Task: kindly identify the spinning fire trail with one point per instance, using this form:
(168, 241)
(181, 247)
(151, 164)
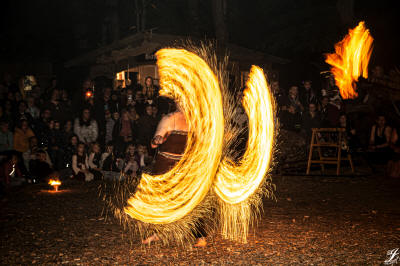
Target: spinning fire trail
(203, 170)
(350, 60)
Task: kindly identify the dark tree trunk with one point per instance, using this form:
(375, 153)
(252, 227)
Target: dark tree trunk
(219, 14)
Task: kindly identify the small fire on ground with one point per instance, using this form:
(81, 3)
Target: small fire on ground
(55, 183)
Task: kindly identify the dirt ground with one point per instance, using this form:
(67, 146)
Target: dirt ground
(315, 220)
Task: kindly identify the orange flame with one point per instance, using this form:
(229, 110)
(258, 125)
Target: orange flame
(54, 182)
(351, 59)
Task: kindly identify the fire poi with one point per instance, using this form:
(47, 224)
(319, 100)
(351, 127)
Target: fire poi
(350, 60)
(206, 183)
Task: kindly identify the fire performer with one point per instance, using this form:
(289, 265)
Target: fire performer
(170, 139)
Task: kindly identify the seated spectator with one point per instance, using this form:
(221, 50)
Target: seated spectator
(22, 113)
(39, 167)
(145, 159)
(6, 137)
(291, 119)
(94, 161)
(31, 153)
(311, 119)
(329, 113)
(7, 114)
(123, 132)
(393, 166)
(67, 133)
(110, 163)
(379, 150)
(86, 128)
(21, 136)
(10, 174)
(80, 164)
(352, 142)
(41, 127)
(131, 162)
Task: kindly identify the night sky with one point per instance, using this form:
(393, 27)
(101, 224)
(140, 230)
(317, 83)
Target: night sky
(302, 31)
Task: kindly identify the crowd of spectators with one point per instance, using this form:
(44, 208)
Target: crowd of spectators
(99, 131)
(93, 133)
(367, 131)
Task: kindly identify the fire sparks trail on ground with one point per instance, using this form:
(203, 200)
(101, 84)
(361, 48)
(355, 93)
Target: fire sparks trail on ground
(166, 198)
(350, 60)
(55, 183)
(235, 183)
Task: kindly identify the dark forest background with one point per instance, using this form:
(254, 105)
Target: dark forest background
(302, 31)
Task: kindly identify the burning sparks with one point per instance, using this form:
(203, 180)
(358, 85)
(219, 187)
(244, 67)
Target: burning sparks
(350, 60)
(235, 183)
(55, 183)
(166, 198)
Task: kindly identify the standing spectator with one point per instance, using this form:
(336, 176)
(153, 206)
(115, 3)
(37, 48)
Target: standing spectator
(133, 114)
(7, 114)
(293, 100)
(94, 161)
(393, 166)
(308, 94)
(109, 126)
(21, 136)
(140, 104)
(150, 91)
(329, 113)
(56, 144)
(123, 132)
(32, 109)
(146, 127)
(6, 137)
(85, 127)
(56, 107)
(311, 119)
(80, 164)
